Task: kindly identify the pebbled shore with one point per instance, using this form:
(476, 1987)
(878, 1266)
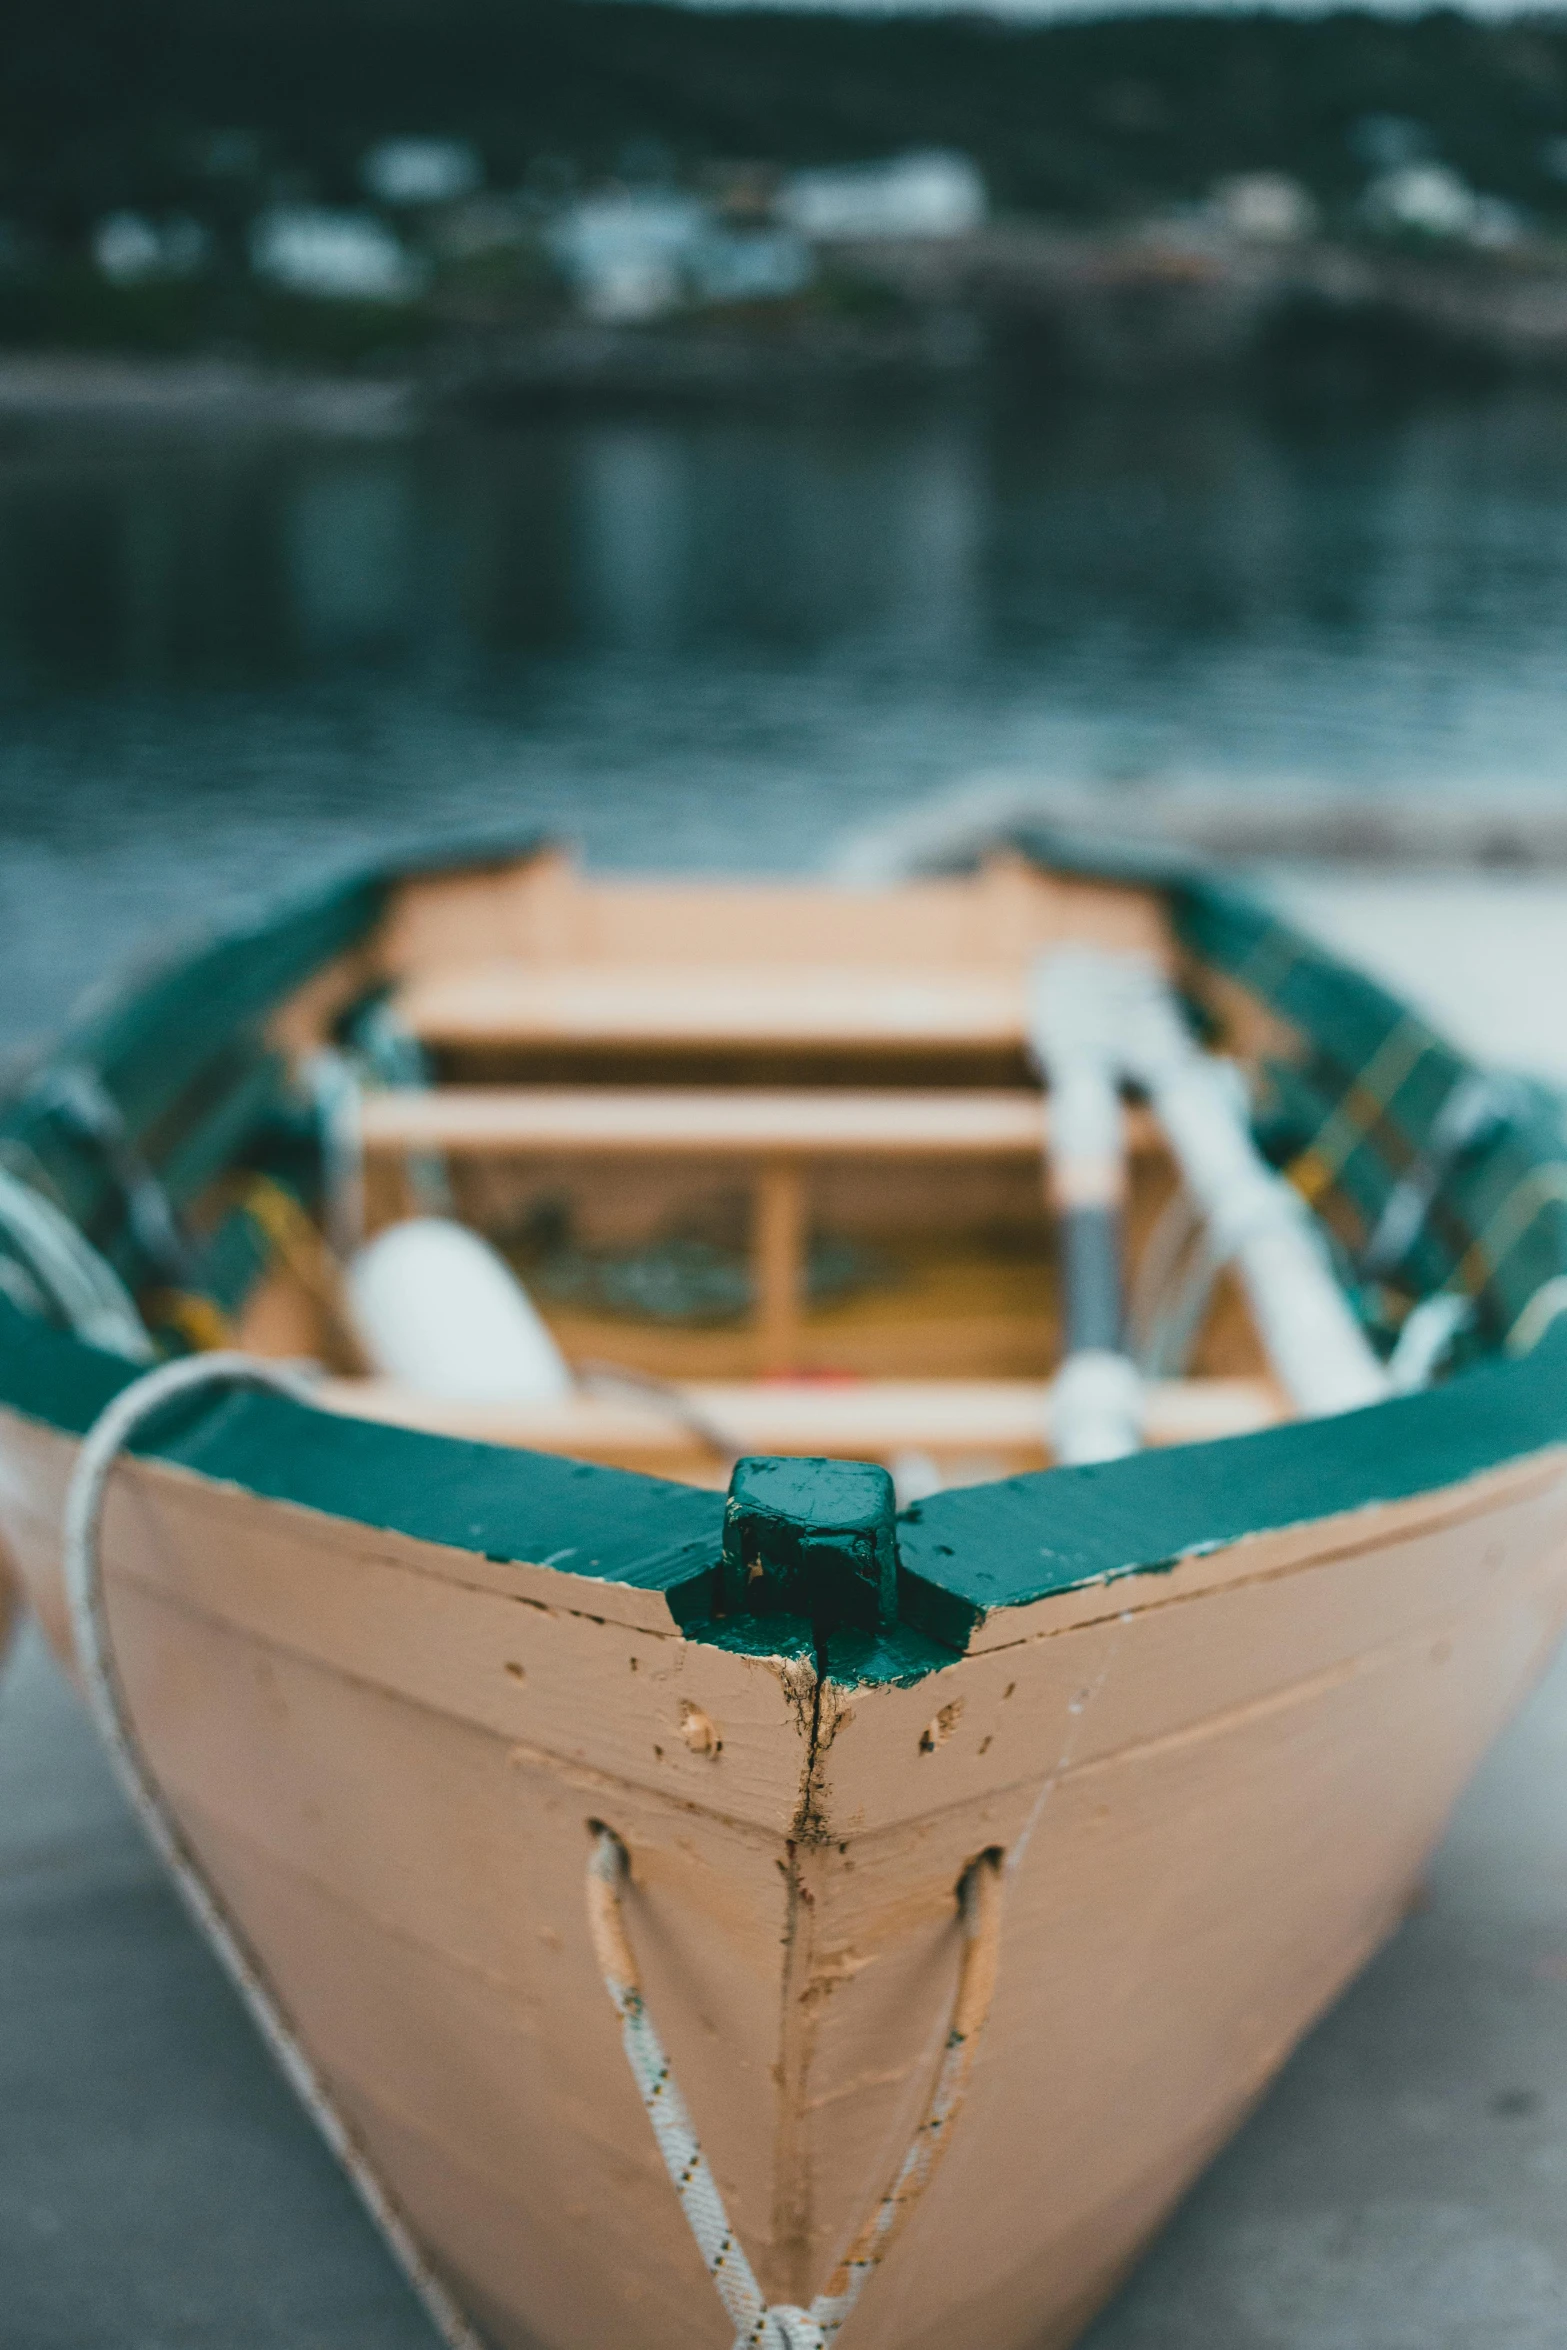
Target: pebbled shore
(112, 392)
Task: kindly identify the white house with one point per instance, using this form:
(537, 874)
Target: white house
(421, 171)
(633, 254)
(1264, 208)
(336, 256)
(751, 265)
(625, 252)
(932, 194)
(1430, 200)
(129, 249)
(1426, 197)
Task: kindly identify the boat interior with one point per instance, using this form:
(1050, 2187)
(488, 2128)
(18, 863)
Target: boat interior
(770, 1160)
(968, 1174)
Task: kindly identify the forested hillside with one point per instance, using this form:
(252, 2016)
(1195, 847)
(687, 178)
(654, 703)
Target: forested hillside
(206, 102)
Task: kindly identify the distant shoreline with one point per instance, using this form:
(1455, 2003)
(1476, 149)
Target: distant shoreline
(123, 391)
(1510, 835)
(569, 368)
(1017, 304)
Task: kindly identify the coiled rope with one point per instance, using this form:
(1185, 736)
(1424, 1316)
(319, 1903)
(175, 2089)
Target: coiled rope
(760, 2325)
(105, 1440)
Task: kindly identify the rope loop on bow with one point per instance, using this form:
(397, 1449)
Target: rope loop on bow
(759, 2324)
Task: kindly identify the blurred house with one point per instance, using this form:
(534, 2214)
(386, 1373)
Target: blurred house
(1430, 200)
(624, 253)
(1264, 208)
(760, 264)
(422, 171)
(131, 250)
(332, 255)
(639, 253)
(480, 226)
(919, 195)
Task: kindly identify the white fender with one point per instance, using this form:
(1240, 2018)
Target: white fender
(435, 1308)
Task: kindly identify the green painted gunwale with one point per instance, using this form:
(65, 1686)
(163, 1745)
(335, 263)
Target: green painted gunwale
(194, 1022)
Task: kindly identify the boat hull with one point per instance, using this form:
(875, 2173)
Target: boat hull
(1216, 1787)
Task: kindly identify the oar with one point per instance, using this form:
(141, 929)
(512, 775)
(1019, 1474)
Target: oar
(1256, 1221)
(1096, 1409)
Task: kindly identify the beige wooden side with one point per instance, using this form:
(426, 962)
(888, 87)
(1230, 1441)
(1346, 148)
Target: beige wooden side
(1216, 1785)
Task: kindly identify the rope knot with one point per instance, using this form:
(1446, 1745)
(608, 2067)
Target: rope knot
(792, 2328)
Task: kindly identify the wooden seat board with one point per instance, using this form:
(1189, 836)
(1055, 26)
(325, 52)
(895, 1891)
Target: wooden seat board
(854, 1418)
(718, 1122)
(519, 1004)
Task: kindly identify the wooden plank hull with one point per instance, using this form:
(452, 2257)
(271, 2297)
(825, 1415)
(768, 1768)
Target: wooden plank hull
(1215, 1785)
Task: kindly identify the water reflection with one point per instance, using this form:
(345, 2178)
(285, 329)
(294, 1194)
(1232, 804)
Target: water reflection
(1087, 542)
(350, 557)
(729, 641)
(634, 497)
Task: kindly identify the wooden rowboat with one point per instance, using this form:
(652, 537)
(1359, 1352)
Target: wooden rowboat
(1069, 1794)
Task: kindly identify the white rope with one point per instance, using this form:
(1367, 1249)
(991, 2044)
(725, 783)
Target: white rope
(760, 2324)
(69, 1273)
(79, 1095)
(1162, 1284)
(105, 1440)
(615, 1378)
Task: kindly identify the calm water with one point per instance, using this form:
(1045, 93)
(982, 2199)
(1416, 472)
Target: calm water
(224, 666)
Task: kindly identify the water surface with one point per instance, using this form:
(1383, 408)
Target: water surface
(229, 665)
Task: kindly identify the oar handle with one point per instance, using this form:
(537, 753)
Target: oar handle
(1096, 1409)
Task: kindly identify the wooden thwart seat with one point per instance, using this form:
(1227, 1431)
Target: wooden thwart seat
(860, 1419)
(789, 1006)
(714, 1122)
(775, 1132)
